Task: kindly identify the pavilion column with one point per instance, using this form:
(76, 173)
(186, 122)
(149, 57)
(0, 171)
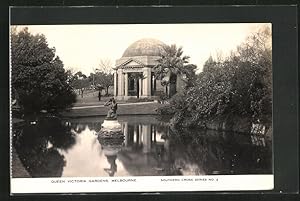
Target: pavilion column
(126, 133)
(115, 83)
(146, 138)
(126, 84)
(120, 83)
(140, 134)
(140, 88)
(147, 82)
(135, 137)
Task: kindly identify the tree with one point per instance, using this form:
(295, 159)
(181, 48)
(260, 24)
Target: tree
(38, 75)
(209, 64)
(170, 64)
(102, 80)
(105, 66)
(80, 75)
(239, 85)
(189, 74)
(212, 90)
(102, 76)
(253, 78)
(81, 82)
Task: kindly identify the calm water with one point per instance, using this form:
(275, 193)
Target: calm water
(71, 148)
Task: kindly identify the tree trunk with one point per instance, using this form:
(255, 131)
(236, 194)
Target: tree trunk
(106, 92)
(82, 93)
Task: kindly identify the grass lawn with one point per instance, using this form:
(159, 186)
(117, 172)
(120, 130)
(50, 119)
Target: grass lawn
(91, 98)
(131, 109)
(89, 105)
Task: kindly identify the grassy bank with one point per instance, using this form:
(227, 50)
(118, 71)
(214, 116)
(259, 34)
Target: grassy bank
(123, 109)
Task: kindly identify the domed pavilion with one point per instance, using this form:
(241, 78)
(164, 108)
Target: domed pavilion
(134, 76)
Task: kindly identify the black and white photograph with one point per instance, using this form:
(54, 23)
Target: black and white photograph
(185, 105)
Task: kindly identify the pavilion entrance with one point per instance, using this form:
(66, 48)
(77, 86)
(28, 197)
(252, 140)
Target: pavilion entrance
(134, 88)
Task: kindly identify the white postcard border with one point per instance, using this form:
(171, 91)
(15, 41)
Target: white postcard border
(142, 184)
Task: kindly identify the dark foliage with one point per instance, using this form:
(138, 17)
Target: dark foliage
(240, 85)
(38, 75)
(38, 146)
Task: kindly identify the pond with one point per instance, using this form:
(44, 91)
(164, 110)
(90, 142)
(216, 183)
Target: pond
(71, 148)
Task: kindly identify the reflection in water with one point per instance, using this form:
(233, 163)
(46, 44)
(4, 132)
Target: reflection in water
(147, 150)
(37, 147)
(150, 147)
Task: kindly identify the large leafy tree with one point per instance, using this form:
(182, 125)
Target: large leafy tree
(38, 75)
(252, 83)
(171, 63)
(240, 85)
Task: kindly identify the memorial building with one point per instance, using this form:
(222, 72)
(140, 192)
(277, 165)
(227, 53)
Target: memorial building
(133, 73)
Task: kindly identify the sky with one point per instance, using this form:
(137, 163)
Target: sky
(82, 47)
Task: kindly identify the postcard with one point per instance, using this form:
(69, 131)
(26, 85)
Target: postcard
(141, 107)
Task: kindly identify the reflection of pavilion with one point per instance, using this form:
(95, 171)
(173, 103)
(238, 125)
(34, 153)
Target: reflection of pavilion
(146, 150)
(146, 138)
(152, 148)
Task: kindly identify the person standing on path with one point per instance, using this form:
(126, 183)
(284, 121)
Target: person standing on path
(99, 95)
